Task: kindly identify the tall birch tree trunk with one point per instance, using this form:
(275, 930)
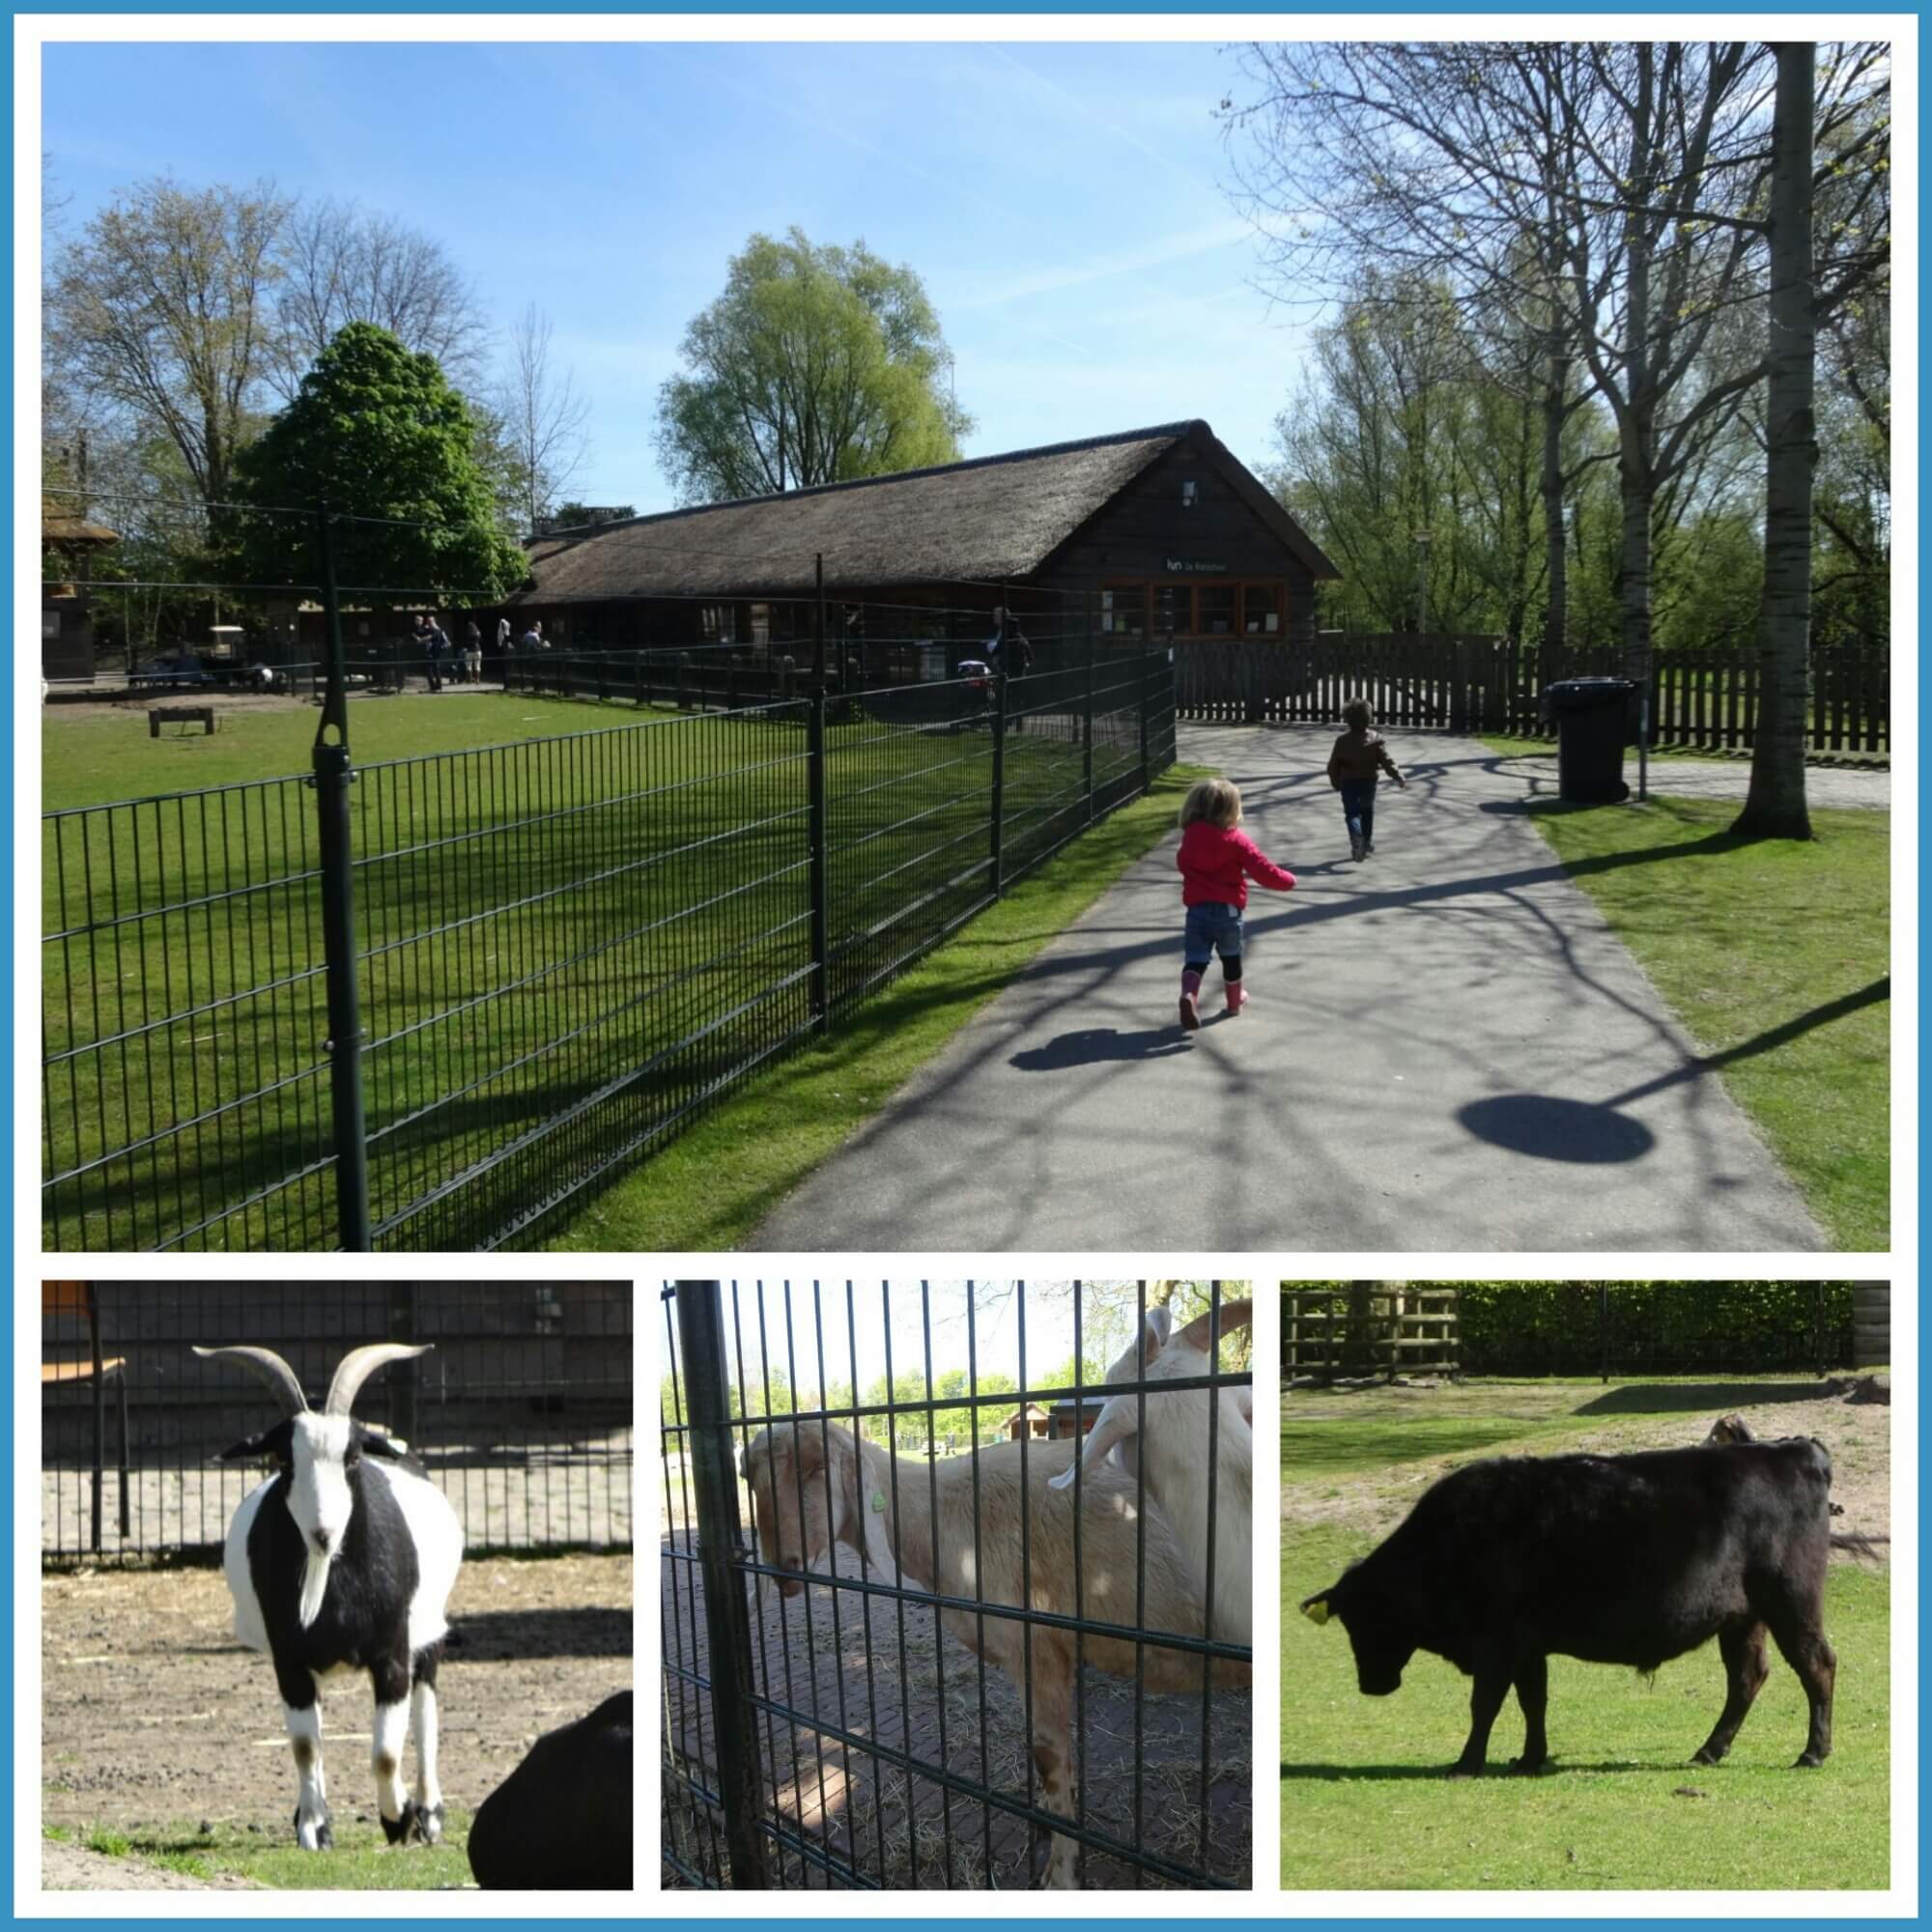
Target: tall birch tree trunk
(1775, 807)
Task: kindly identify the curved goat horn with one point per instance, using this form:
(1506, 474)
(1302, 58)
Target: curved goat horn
(271, 1369)
(360, 1364)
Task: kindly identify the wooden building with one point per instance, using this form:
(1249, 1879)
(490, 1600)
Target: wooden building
(67, 609)
(1145, 535)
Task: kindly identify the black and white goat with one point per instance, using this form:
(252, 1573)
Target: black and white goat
(344, 1560)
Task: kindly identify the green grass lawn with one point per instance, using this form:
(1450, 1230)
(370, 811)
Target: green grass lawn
(1364, 1804)
(1776, 957)
(606, 929)
(98, 754)
(1508, 747)
(361, 1860)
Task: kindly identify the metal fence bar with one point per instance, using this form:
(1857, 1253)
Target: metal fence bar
(702, 1326)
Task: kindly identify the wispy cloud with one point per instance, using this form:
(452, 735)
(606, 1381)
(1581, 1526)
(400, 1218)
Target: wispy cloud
(1226, 233)
(1088, 111)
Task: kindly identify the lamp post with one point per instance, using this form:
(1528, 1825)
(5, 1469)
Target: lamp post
(1421, 539)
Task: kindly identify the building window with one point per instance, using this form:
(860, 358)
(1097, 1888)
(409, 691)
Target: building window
(1217, 610)
(1124, 610)
(1261, 610)
(1173, 609)
(719, 623)
(1188, 491)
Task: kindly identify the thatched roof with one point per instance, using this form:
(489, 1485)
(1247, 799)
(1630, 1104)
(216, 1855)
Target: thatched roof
(60, 532)
(990, 520)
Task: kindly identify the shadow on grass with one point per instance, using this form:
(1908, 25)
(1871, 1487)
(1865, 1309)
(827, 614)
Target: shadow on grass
(1314, 1449)
(1679, 1398)
(1338, 1774)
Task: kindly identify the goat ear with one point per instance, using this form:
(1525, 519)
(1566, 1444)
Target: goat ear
(373, 1443)
(271, 1442)
(841, 1457)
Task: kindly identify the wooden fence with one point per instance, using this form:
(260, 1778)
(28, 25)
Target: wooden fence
(1705, 701)
(1384, 1328)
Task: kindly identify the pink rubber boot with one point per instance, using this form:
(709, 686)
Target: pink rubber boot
(1190, 993)
(1237, 997)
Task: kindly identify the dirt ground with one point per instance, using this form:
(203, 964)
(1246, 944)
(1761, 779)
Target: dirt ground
(1858, 1435)
(895, 1827)
(68, 1868)
(152, 1713)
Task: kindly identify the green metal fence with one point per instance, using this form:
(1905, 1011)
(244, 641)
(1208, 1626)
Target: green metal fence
(429, 1004)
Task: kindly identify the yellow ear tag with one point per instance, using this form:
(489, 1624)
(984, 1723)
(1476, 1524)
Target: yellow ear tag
(1316, 1612)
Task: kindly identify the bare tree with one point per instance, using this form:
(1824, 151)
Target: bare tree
(341, 265)
(159, 315)
(543, 418)
(1586, 193)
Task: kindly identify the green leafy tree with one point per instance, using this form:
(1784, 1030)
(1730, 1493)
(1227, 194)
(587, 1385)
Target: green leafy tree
(374, 432)
(815, 365)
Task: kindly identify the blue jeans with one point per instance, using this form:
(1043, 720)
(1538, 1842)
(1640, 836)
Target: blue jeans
(1213, 929)
(1358, 807)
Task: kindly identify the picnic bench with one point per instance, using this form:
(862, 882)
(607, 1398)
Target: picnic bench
(186, 713)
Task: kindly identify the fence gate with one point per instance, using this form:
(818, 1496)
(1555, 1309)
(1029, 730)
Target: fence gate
(896, 1681)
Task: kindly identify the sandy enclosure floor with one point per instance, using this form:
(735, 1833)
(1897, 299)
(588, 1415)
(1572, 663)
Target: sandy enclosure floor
(1858, 1435)
(68, 1868)
(534, 1644)
(922, 1694)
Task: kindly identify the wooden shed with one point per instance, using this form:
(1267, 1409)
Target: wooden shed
(1139, 536)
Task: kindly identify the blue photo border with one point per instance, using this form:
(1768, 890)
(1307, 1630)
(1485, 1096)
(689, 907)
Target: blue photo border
(1254, 1910)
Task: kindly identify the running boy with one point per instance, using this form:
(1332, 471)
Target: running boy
(1359, 754)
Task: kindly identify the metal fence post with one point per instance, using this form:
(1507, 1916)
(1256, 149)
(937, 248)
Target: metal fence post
(1087, 718)
(1146, 660)
(821, 910)
(401, 1381)
(998, 850)
(344, 1045)
(700, 1320)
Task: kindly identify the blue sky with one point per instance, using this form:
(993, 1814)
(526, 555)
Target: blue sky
(1065, 205)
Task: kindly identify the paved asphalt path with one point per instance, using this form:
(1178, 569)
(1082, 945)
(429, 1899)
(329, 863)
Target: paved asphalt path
(1446, 1049)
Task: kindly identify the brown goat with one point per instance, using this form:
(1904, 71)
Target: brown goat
(814, 1485)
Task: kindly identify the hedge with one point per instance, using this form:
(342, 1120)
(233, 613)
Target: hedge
(1654, 1327)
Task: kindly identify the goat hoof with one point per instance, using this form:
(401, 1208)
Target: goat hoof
(324, 1838)
(419, 1824)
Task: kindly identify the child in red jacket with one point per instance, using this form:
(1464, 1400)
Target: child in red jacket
(1216, 861)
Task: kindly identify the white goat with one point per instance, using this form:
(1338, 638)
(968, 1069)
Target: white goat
(814, 1485)
(344, 1560)
(1185, 1441)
